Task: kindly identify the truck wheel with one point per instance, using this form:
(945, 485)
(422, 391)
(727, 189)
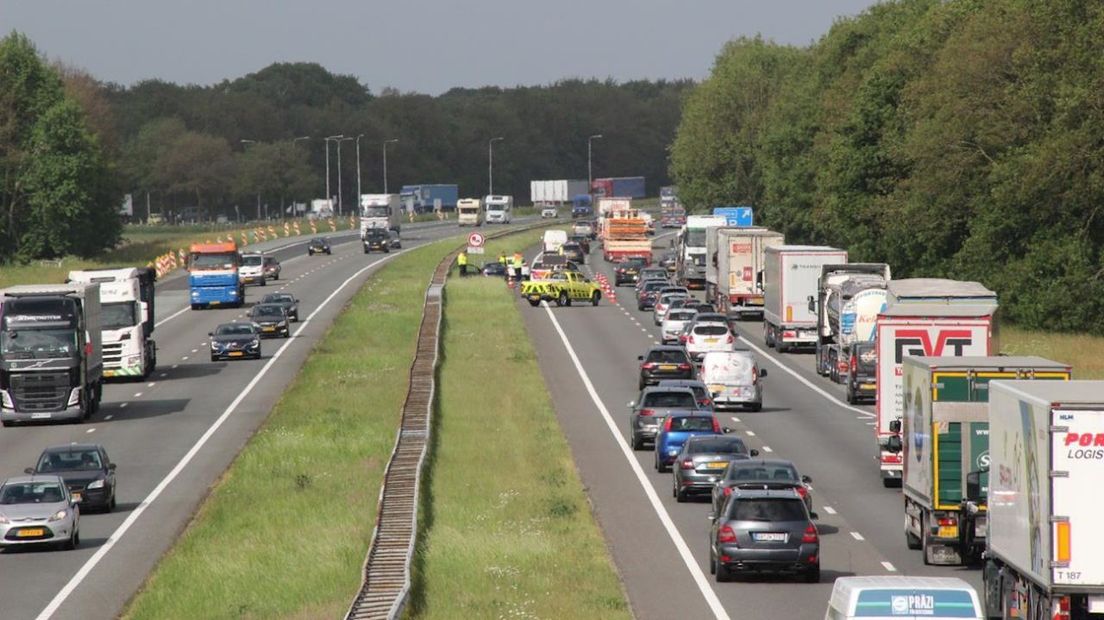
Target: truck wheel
(911, 540)
(768, 337)
(925, 548)
(595, 298)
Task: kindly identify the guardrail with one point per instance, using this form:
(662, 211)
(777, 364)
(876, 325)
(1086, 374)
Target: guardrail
(386, 584)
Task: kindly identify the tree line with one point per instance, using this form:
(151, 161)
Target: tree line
(960, 138)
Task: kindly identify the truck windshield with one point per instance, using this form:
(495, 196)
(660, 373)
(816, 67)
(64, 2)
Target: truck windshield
(215, 261)
(695, 238)
(469, 210)
(375, 211)
(38, 343)
(118, 315)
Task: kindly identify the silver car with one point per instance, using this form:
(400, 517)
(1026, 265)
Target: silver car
(656, 403)
(734, 378)
(674, 323)
(663, 304)
(38, 510)
(703, 461)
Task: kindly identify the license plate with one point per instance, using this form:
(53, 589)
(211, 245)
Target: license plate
(769, 536)
(268, 329)
(667, 367)
(32, 533)
(534, 298)
(719, 465)
(40, 416)
(235, 354)
(868, 387)
(948, 531)
(215, 303)
(716, 389)
(710, 340)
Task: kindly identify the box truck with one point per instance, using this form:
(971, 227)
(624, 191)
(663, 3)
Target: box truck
(944, 437)
(691, 244)
(1045, 557)
(734, 269)
(380, 211)
(789, 280)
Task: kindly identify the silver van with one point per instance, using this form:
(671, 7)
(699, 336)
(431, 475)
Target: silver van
(901, 597)
(733, 378)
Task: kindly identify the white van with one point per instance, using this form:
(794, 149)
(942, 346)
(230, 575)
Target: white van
(554, 240)
(499, 209)
(733, 379)
(903, 598)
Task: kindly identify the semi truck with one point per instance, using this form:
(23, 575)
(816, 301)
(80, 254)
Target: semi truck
(790, 278)
(425, 198)
(1046, 456)
(944, 437)
(581, 206)
(500, 209)
(624, 235)
(213, 277)
(949, 329)
(848, 300)
(51, 352)
(469, 212)
(556, 192)
(734, 269)
(380, 211)
(618, 187)
(690, 260)
(126, 311)
(671, 213)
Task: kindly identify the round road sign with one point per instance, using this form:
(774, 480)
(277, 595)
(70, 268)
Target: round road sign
(475, 240)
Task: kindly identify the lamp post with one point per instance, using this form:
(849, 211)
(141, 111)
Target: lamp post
(359, 136)
(244, 141)
(327, 140)
(340, 199)
(490, 164)
(385, 143)
(590, 174)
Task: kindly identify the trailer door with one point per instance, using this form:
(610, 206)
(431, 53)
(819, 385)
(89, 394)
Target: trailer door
(1077, 453)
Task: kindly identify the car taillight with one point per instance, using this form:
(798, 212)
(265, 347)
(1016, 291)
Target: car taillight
(716, 426)
(810, 534)
(682, 339)
(789, 334)
(687, 464)
(891, 458)
(648, 365)
(684, 366)
(754, 375)
(647, 412)
(691, 339)
(947, 522)
(727, 491)
(730, 339)
(726, 535)
(855, 364)
(706, 402)
(667, 423)
(802, 491)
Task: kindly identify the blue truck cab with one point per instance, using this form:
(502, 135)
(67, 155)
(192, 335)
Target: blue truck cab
(581, 206)
(213, 278)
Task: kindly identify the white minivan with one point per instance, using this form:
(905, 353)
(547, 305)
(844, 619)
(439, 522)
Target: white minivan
(901, 597)
(733, 379)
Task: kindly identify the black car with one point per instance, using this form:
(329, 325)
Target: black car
(318, 245)
(495, 270)
(582, 240)
(861, 376)
(665, 362)
(86, 470)
(762, 474)
(573, 252)
(288, 301)
(627, 271)
(648, 293)
(377, 240)
(235, 340)
(272, 319)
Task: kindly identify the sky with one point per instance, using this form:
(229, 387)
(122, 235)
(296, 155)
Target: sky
(427, 46)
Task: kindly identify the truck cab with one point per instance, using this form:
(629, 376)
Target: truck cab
(126, 305)
(213, 275)
(380, 211)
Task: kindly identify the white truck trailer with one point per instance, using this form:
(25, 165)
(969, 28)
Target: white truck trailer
(789, 281)
(380, 211)
(735, 260)
(1045, 559)
(126, 310)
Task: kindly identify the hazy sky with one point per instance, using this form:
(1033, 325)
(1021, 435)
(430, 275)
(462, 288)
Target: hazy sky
(414, 45)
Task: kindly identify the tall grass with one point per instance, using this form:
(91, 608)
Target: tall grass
(1081, 351)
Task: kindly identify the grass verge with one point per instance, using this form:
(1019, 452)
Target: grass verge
(506, 528)
(1078, 350)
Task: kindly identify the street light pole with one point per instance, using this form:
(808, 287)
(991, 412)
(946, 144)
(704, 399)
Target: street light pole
(340, 199)
(590, 174)
(490, 164)
(385, 143)
(358, 167)
(327, 141)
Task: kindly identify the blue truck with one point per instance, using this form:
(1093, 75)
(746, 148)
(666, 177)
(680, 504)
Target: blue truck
(618, 187)
(422, 197)
(213, 277)
(581, 206)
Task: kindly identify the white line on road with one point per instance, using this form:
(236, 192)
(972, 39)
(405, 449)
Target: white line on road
(767, 449)
(751, 433)
(90, 564)
(175, 366)
(91, 430)
(163, 375)
(735, 419)
(184, 358)
(680, 544)
(108, 416)
(123, 405)
(151, 384)
(137, 395)
(830, 510)
(172, 316)
(195, 350)
(889, 567)
(857, 536)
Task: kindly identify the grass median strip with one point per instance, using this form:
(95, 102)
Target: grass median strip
(506, 531)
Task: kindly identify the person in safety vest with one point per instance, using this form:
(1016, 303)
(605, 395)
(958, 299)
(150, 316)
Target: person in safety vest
(516, 264)
(502, 258)
(462, 261)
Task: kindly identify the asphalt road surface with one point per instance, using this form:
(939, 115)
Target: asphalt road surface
(588, 357)
(175, 433)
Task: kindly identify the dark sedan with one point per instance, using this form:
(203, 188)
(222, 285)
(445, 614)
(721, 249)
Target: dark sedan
(318, 245)
(648, 292)
(665, 362)
(235, 340)
(272, 319)
(703, 461)
(86, 470)
(287, 301)
(627, 271)
(494, 270)
(377, 240)
(574, 252)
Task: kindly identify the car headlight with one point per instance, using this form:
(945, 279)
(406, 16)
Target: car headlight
(4, 520)
(215, 346)
(59, 515)
(673, 451)
(74, 397)
(256, 342)
(195, 293)
(283, 323)
(233, 293)
(96, 484)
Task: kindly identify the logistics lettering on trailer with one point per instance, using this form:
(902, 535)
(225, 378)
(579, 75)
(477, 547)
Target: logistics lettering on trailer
(917, 342)
(1085, 440)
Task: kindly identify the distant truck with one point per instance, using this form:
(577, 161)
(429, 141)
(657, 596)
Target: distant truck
(789, 280)
(424, 198)
(944, 437)
(581, 206)
(213, 275)
(380, 211)
(322, 208)
(469, 212)
(624, 235)
(51, 352)
(556, 192)
(931, 318)
(734, 269)
(499, 209)
(127, 323)
(848, 300)
(690, 261)
(1045, 558)
(671, 213)
(618, 187)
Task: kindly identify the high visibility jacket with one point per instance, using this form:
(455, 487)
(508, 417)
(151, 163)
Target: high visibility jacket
(462, 259)
(502, 258)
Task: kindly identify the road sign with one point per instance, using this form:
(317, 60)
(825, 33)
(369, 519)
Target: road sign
(735, 216)
(475, 240)
(475, 249)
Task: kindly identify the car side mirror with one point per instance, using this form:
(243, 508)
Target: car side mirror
(111, 466)
(640, 357)
(754, 452)
(763, 373)
(895, 426)
(28, 470)
(814, 516)
(806, 480)
(893, 444)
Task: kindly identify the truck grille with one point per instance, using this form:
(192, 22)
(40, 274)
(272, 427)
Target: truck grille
(40, 391)
(113, 354)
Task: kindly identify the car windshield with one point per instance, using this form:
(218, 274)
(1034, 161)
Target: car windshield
(680, 315)
(31, 493)
(654, 285)
(318, 242)
(726, 445)
(767, 509)
(671, 356)
(278, 298)
(252, 261)
(38, 343)
(234, 330)
(710, 329)
(117, 315)
(759, 472)
(680, 400)
(69, 461)
(669, 297)
(268, 311)
(376, 234)
(691, 423)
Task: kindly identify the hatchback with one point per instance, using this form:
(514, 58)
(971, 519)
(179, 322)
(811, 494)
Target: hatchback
(272, 319)
(764, 531)
(376, 240)
(663, 304)
(673, 323)
(654, 404)
(678, 427)
(38, 509)
(318, 245)
(664, 362)
(703, 461)
(707, 338)
(770, 474)
(705, 401)
(647, 292)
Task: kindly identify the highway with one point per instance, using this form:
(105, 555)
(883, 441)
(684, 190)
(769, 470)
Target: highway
(589, 360)
(173, 435)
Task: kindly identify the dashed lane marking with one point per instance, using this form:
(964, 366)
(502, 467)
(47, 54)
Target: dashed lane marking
(108, 417)
(889, 567)
(751, 433)
(123, 405)
(137, 395)
(184, 358)
(735, 419)
(767, 449)
(857, 536)
(151, 384)
(91, 430)
(830, 510)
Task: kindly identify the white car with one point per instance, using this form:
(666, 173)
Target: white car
(549, 213)
(252, 270)
(38, 510)
(674, 323)
(707, 337)
(733, 379)
(663, 304)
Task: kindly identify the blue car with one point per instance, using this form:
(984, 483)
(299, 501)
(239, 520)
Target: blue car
(677, 427)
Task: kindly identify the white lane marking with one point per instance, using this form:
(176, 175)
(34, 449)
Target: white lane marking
(735, 419)
(808, 384)
(751, 433)
(195, 350)
(172, 316)
(857, 536)
(889, 567)
(163, 375)
(664, 518)
(830, 510)
(184, 358)
(108, 416)
(151, 384)
(767, 449)
(137, 395)
(175, 366)
(86, 568)
(123, 405)
(91, 430)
